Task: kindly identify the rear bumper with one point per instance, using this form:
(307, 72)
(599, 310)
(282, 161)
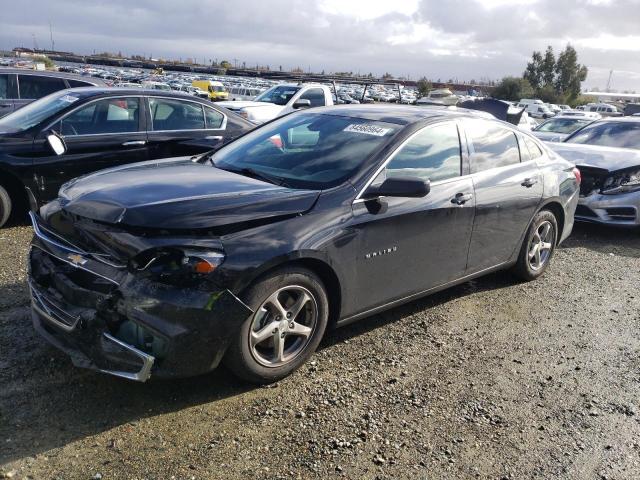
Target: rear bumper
(621, 209)
(111, 321)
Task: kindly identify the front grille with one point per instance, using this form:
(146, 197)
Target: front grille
(52, 308)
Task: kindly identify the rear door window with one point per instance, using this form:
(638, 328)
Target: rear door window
(111, 115)
(176, 115)
(34, 86)
(491, 144)
(78, 83)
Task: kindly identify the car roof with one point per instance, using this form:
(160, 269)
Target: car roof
(86, 92)
(629, 119)
(398, 114)
(49, 73)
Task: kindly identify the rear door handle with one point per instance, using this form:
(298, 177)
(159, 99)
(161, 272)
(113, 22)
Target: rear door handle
(134, 142)
(3, 105)
(461, 198)
(529, 182)
(214, 137)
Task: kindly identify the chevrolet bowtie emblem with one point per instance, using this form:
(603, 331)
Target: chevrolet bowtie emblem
(76, 259)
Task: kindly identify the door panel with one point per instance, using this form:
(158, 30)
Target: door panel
(100, 134)
(411, 245)
(504, 207)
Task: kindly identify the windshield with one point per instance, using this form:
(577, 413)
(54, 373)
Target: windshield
(36, 112)
(279, 95)
(609, 134)
(306, 150)
(563, 125)
(217, 89)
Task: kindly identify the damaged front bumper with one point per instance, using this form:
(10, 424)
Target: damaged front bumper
(620, 209)
(111, 320)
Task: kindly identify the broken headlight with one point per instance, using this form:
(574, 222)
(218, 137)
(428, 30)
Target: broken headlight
(176, 266)
(623, 182)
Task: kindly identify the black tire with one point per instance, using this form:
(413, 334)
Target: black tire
(243, 359)
(527, 268)
(5, 206)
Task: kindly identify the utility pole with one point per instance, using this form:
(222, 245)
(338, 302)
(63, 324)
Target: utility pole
(35, 43)
(609, 81)
(53, 44)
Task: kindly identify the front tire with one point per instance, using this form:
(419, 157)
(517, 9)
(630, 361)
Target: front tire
(5, 206)
(291, 311)
(538, 247)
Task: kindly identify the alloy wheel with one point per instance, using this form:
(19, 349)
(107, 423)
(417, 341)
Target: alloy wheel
(283, 325)
(541, 245)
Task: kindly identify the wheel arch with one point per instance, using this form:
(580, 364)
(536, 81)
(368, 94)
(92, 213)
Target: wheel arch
(555, 207)
(315, 264)
(16, 189)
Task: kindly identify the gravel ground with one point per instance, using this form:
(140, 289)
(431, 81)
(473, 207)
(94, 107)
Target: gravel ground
(491, 379)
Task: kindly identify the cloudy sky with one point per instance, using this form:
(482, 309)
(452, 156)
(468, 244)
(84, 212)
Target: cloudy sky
(464, 39)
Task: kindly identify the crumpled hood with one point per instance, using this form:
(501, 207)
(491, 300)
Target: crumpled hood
(608, 158)
(237, 105)
(183, 195)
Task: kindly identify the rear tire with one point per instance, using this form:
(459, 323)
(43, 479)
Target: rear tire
(538, 246)
(5, 206)
(291, 311)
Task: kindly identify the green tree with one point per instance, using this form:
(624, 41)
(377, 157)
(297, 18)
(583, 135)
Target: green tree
(48, 63)
(569, 73)
(548, 67)
(513, 89)
(533, 73)
(225, 64)
(424, 86)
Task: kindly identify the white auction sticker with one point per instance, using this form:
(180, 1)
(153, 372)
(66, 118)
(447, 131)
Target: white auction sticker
(68, 99)
(367, 129)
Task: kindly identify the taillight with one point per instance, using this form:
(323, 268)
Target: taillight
(578, 175)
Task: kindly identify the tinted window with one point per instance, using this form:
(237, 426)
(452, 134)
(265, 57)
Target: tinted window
(111, 115)
(4, 86)
(433, 154)
(176, 115)
(534, 149)
(279, 95)
(34, 86)
(609, 134)
(307, 150)
(492, 145)
(315, 96)
(78, 83)
(213, 117)
(563, 125)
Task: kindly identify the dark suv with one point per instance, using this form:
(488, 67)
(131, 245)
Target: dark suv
(19, 87)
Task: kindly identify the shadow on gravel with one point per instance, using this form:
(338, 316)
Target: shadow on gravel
(603, 239)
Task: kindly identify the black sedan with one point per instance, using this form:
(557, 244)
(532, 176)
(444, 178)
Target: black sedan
(78, 131)
(319, 218)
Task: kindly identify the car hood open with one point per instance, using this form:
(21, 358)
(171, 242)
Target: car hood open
(607, 158)
(183, 195)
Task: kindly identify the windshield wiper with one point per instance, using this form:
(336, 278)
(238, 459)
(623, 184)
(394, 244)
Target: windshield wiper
(204, 157)
(250, 172)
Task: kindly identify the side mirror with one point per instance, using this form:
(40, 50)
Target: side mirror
(407, 187)
(300, 103)
(56, 143)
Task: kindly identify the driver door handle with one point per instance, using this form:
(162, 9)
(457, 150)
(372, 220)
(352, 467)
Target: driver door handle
(529, 182)
(214, 137)
(461, 198)
(134, 142)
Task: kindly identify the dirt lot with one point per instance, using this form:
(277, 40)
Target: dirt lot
(492, 379)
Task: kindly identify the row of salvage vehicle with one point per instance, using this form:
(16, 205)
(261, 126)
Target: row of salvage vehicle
(203, 239)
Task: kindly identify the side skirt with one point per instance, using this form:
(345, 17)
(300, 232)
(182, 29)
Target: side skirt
(401, 301)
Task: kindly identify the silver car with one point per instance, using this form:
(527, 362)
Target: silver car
(607, 153)
(558, 128)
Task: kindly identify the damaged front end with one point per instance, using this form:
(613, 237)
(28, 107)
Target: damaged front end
(130, 305)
